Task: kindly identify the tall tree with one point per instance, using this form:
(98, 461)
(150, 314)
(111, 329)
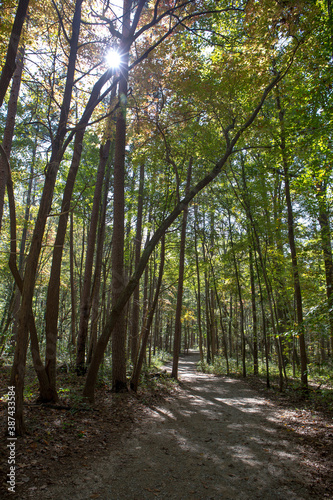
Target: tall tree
(178, 323)
(18, 369)
(137, 250)
(291, 237)
(119, 383)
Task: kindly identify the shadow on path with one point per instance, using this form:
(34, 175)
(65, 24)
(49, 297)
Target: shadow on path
(216, 439)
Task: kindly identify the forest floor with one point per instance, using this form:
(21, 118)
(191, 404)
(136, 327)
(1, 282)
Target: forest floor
(207, 438)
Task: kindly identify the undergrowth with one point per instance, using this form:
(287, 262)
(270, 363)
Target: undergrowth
(320, 378)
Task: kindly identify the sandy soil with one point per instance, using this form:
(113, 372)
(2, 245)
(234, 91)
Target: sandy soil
(216, 438)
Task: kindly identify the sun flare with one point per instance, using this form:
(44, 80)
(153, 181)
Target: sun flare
(113, 58)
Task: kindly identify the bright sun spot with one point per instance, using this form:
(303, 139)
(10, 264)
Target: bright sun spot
(113, 58)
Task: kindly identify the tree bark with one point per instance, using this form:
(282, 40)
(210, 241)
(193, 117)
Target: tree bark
(90, 249)
(198, 281)
(10, 65)
(98, 265)
(137, 246)
(118, 276)
(292, 245)
(254, 315)
(177, 336)
(147, 325)
(325, 231)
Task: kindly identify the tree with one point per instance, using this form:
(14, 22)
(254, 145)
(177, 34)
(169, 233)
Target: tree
(177, 336)
(18, 369)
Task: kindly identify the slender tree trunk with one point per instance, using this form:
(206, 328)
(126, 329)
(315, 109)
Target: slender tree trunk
(224, 339)
(98, 267)
(254, 315)
(137, 250)
(90, 250)
(7, 146)
(325, 230)
(177, 337)
(241, 306)
(209, 356)
(212, 322)
(198, 281)
(72, 280)
(147, 325)
(230, 327)
(292, 245)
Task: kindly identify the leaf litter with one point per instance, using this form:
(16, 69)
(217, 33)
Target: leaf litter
(208, 437)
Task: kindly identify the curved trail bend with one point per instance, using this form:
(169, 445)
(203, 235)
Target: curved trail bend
(215, 439)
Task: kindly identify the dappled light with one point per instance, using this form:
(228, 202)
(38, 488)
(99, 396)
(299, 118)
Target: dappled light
(216, 438)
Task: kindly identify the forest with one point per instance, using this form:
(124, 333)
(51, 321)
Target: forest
(165, 186)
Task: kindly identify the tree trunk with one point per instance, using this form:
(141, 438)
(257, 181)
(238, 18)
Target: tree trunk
(72, 280)
(137, 250)
(325, 231)
(177, 337)
(292, 245)
(147, 325)
(198, 281)
(118, 278)
(9, 66)
(241, 306)
(208, 321)
(90, 250)
(4, 158)
(52, 303)
(98, 266)
(254, 315)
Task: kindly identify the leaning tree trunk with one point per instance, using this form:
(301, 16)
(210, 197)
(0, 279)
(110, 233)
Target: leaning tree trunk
(9, 66)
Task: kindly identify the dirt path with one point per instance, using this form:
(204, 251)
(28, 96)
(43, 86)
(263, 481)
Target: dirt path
(215, 439)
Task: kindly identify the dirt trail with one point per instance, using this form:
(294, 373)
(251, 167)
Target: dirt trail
(215, 439)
